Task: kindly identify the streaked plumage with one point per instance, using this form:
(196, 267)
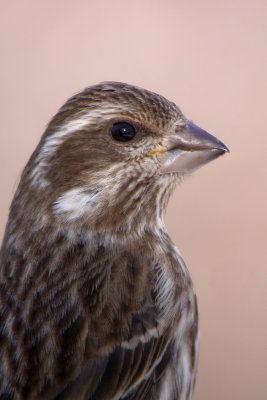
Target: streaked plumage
(95, 300)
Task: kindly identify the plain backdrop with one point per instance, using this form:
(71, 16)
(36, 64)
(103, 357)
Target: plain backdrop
(210, 58)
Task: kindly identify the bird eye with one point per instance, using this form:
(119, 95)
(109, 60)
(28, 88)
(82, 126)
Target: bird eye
(122, 131)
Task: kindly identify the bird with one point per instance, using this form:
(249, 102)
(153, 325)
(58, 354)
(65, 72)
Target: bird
(96, 301)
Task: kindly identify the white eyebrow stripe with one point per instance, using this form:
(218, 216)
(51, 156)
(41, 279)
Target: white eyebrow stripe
(51, 144)
(57, 138)
(53, 141)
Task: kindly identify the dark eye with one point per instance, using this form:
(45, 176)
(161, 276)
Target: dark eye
(122, 131)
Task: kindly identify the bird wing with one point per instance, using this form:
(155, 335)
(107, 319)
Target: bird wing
(82, 331)
(131, 370)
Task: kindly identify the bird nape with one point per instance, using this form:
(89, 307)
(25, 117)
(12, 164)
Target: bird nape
(96, 302)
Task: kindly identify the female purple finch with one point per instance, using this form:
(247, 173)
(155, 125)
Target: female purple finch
(96, 302)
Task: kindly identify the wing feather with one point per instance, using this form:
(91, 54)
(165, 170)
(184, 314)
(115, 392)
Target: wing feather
(121, 375)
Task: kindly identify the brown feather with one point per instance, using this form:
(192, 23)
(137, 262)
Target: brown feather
(95, 301)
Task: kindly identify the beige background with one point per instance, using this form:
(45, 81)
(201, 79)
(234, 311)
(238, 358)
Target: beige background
(210, 58)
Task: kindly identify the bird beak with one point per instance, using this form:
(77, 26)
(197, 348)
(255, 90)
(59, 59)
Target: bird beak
(189, 149)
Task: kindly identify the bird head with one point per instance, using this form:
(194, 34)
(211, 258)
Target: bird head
(111, 157)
